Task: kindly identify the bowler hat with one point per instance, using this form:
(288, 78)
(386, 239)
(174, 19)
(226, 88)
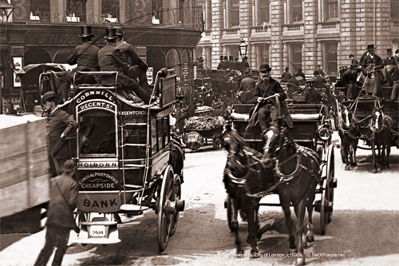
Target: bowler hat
(225, 57)
(351, 55)
(221, 57)
(264, 68)
(86, 31)
(69, 166)
(389, 50)
(119, 31)
(315, 72)
(110, 34)
(370, 47)
(49, 95)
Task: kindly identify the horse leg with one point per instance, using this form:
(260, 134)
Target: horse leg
(300, 214)
(388, 153)
(253, 228)
(354, 144)
(285, 205)
(234, 225)
(309, 226)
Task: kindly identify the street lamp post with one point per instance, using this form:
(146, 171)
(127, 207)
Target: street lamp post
(6, 10)
(243, 47)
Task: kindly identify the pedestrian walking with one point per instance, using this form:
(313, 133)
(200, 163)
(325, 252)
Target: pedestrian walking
(60, 220)
(59, 126)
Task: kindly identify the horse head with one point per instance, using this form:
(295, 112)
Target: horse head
(273, 139)
(236, 159)
(377, 119)
(346, 117)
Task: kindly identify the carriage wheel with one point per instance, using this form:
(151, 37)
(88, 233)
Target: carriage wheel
(164, 218)
(177, 195)
(327, 195)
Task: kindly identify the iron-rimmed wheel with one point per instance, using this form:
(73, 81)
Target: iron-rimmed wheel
(164, 217)
(177, 196)
(327, 195)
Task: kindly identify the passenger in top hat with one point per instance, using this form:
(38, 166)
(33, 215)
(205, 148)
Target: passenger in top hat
(371, 64)
(85, 55)
(59, 125)
(267, 112)
(390, 65)
(111, 59)
(137, 67)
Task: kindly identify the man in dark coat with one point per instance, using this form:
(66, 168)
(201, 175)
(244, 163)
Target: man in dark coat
(390, 65)
(111, 59)
(60, 220)
(247, 88)
(348, 80)
(286, 76)
(85, 55)
(371, 64)
(354, 62)
(137, 67)
(59, 126)
(267, 110)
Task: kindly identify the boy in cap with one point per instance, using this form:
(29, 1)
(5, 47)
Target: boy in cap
(137, 67)
(85, 55)
(267, 111)
(111, 59)
(354, 62)
(59, 125)
(371, 64)
(60, 220)
(286, 76)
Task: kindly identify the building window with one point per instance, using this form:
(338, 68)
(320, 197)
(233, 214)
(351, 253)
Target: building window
(262, 55)
(76, 11)
(331, 9)
(395, 9)
(296, 57)
(331, 55)
(263, 11)
(156, 11)
(295, 11)
(110, 10)
(40, 10)
(234, 12)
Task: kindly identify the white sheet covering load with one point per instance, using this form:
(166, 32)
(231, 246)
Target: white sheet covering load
(13, 120)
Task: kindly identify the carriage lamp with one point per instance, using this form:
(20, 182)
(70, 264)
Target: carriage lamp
(6, 10)
(243, 48)
(324, 132)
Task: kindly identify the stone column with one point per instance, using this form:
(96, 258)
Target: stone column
(310, 46)
(217, 30)
(276, 20)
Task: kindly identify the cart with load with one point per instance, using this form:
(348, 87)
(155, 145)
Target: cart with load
(312, 129)
(203, 130)
(127, 160)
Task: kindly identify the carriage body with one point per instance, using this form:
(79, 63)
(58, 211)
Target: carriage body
(123, 153)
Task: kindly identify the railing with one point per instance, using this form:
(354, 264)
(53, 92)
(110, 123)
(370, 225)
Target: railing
(231, 31)
(329, 26)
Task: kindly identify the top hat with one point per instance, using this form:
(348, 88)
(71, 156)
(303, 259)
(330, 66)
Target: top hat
(110, 34)
(370, 47)
(225, 57)
(389, 50)
(69, 166)
(231, 57)
(221, 57)
(86, 31)
(119, 31)
(264, 68)
(351, 55)
(315, 72)
(49, 95)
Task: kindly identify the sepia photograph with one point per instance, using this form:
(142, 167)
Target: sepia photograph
(199, 132)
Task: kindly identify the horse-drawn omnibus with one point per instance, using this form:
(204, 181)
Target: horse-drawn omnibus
(127, 160)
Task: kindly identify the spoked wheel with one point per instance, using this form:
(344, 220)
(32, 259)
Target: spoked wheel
(164, 218)
(327, 195)
(177, 196)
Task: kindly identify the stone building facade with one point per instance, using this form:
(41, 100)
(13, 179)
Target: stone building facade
(298, 33)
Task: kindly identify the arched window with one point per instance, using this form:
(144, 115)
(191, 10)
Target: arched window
(36, 56)
(156, 59)
(62, 56)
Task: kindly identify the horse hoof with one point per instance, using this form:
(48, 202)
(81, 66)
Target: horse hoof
(292, 250)
(255, 253)
(375, 171)
(240, 253)
(347, 168)
(300, 261)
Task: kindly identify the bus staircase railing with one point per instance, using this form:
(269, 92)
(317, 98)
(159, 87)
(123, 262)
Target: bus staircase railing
(136, 163)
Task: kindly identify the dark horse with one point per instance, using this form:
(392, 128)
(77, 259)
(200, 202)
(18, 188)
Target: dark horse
(349, 133)
(243, 174)
(296, 183)
(298, 170)
(381, 127)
